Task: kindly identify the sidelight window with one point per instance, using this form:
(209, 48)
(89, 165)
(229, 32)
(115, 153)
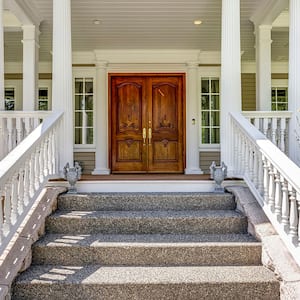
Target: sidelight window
(43, 100)
(210, 110)
(84, 111)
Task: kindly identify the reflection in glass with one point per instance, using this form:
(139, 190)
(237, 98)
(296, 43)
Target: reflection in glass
(205, 85)
(205, 101)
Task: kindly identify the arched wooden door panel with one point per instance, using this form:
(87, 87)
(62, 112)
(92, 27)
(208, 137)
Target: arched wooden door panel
(147, 123)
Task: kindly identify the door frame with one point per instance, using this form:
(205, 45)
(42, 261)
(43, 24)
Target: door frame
(183, 77)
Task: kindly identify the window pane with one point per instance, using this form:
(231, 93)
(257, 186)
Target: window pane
(215, 118)
(89, 119)
(78, 102)
(205, 85)
(215, 135)
(43, 93)
(273, 106)
(215, 103)
(89, 102)
(205, 136)
(281, 93)
(89, 86)
(90, 136)
(43, 105)
(205, 118)
(205, 102)
(78, 85)
(78, 136)
(9, 104)
(78, 119)
(9, 93)
(282, 106)
(273, 93)
(215, 86)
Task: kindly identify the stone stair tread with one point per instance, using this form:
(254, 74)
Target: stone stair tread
(145, 240)
(97, 274)
(146, 201)
(148, 214)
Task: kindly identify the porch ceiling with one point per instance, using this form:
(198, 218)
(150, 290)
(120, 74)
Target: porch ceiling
(143, 24)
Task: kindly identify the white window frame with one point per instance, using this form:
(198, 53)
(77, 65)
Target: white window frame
(15, 100)
(45, 84)
(206, 72)
(85, 73)
(279, 84)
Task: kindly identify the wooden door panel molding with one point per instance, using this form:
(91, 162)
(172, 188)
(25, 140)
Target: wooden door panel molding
(147, 123)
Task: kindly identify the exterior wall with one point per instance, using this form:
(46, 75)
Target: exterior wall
(86, 160)
(206, 158)
(248, 91)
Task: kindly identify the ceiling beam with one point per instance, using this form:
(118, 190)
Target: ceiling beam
(268, 11)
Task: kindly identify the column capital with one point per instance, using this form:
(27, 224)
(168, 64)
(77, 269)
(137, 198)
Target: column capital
(192, 64)
(101, 64)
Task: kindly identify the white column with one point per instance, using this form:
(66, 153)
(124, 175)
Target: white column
(192, 120)
(1, 58)
(101, 130)
(230, 75)
(62, 97)
(294, 79)
(30, 66)
(263, 67)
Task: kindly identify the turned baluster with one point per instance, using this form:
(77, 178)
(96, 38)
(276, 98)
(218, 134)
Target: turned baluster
(285, 205)
(7, 208)
(293, 217)
(10, 134)
(282, 134)
(274, 130)
(1, 216)
(19, 130)
(31, 175)
(271, 188)
(21, 191)
(37, 169)
(266, 179)
(278, 196)
(260, 174)
(26, 181)
(14, 199)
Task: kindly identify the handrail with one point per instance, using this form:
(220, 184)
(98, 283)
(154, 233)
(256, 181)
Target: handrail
(272, 177)
(23, 174)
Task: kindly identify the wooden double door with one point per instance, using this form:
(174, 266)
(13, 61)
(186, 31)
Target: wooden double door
(147, 123)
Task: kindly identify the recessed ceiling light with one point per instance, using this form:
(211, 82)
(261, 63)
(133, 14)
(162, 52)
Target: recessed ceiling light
(97, 22)
(197, 22)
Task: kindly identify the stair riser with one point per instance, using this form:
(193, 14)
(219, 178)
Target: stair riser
(149, 256)
(146, 202)
(146, 225)
(230, 290)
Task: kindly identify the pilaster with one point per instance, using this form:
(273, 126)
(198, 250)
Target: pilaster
(192, 120)
(30, 66)
(62, 97)
(263, 67)
(101, 164)
(1, 58)
(230, 75)
(294, 79)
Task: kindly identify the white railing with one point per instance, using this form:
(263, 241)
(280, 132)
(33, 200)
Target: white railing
(15, 126)
(272, 177)
(273, 124)
(23, 174)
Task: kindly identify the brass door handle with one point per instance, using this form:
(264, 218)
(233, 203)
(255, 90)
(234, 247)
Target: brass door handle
(150, 135)
(144, 135)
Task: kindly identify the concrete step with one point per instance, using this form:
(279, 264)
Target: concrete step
(146, 201)
(147, 250)
(145, 283)
(143, 222)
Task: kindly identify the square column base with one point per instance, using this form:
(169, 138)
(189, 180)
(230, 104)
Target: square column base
(193, 171)
(101, 172)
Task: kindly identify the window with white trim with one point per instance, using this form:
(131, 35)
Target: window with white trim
(10, 99)
(279, 98)
(84, 111)
(210, 110)
(43, 100)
